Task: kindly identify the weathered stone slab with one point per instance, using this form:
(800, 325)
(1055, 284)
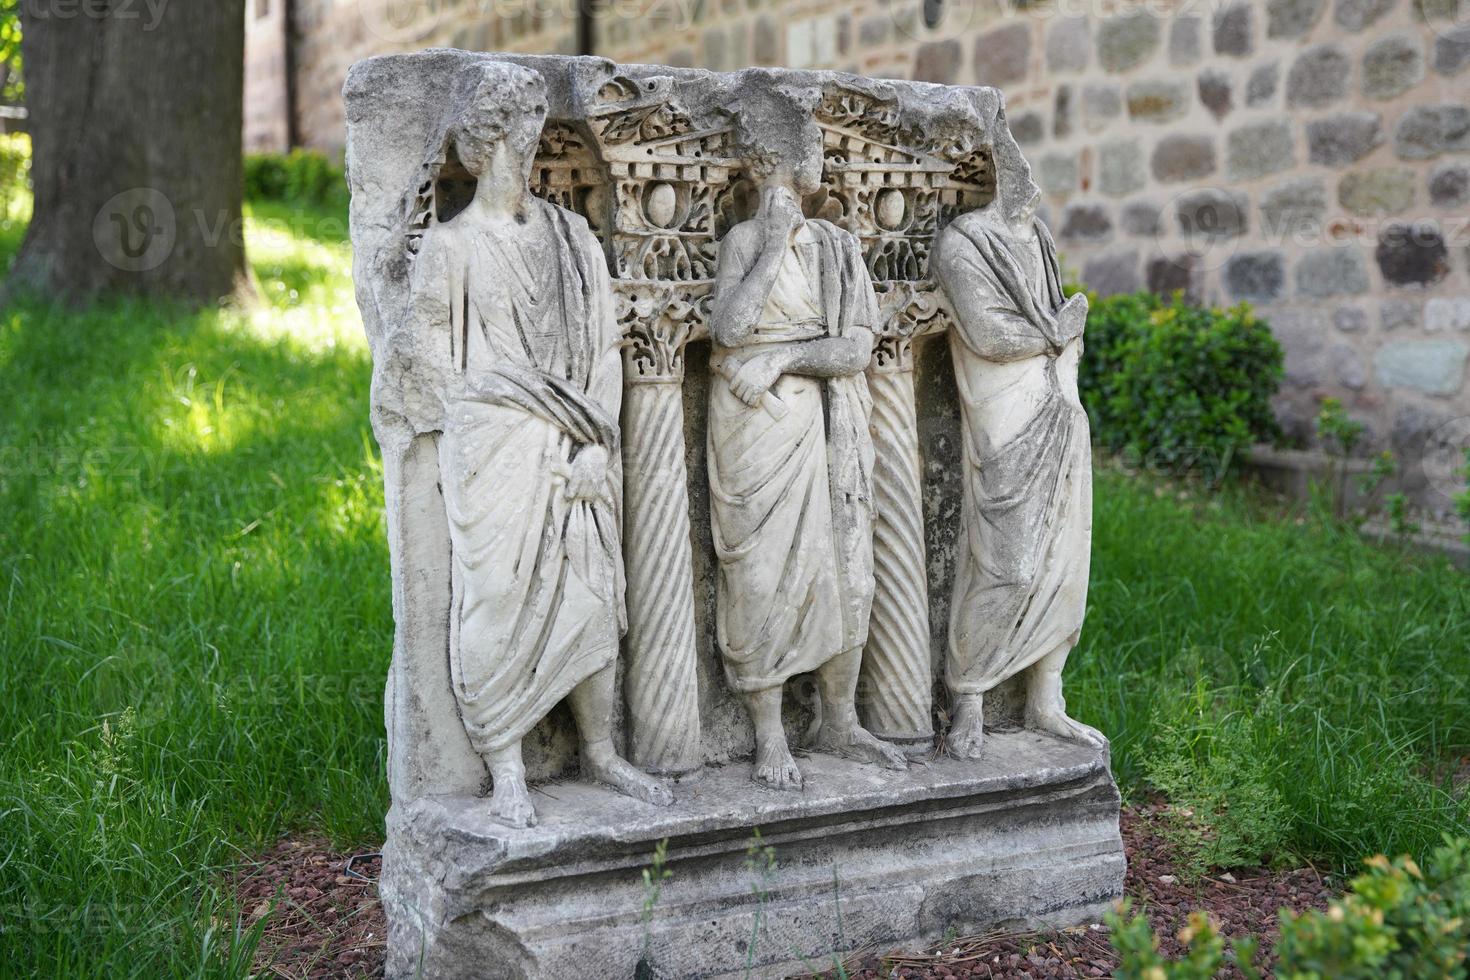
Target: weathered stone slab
(1027, 836)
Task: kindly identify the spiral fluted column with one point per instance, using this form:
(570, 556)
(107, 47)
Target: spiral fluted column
(660, 684)
(897, 692)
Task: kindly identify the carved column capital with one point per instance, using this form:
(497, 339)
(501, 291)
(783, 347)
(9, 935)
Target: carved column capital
(657, 320)
(909, 310)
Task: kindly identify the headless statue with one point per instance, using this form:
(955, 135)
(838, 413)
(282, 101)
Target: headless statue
(790, 462)
(1020, 587)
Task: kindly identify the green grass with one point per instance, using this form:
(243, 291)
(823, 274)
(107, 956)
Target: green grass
(195, 623)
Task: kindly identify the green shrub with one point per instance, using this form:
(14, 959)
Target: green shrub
(1176, 387)
(301, 177)
(1398, 921)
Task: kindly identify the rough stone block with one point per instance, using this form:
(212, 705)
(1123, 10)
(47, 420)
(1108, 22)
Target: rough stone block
(1449, 185)
(1447, 313)
(1003, 55)
(1140, 218)
(765, 47)
(1292, 18)
(938, 61)
(1259, 149)
(1302, 333)
(1452, 50)
(1345, 137)
(1350, 319)
(1086, 223)
(1061, 112)
(1101, 104)
(1113, 273)
(1028, 128)
(1294, 209)
(1068, 45)
(1157, 101)
(1184, 41)
(1256, 277)
(1412, 254)
(1349, 366)
(1127, 41)
(1120, 167)
(1180, 157)
(1426, 131)
(1354, 15)
(1434, 367)
(1211, 214)
(1334, 270)
(1215, 92)
(1057, 173)
(1376, 192)
(1167, 275)
(1319, 76)
(1260, 88)
(1026, 837)
(1398, 314)
(1392, 65)
(1233, 30)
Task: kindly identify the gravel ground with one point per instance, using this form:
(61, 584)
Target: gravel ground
(328, 922)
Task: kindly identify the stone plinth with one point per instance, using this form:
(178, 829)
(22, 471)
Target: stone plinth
(1027, 836)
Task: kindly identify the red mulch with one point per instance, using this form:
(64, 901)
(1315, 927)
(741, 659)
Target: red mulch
(323, 921)
(328, 923)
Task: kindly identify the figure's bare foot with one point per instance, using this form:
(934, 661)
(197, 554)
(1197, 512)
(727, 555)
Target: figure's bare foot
(624, 777)
(967, 729)
(855, 742)
(774, 766)
(510, 802)
(1051, 716)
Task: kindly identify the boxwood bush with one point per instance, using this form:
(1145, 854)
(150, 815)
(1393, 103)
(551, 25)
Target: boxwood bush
(301, 177)
(1175, 387)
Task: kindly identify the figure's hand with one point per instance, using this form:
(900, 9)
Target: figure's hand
(782, 217)
(587, 476)
(755, 376)
(1072, 317)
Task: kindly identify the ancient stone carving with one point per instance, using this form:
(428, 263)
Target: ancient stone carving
(730, 290)
(790, 455)
(510, 349)
(1021, 585)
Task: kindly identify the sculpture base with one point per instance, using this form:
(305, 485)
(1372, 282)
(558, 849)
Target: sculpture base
(1025, 837)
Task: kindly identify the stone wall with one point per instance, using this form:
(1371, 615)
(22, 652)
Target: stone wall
(1311, 157)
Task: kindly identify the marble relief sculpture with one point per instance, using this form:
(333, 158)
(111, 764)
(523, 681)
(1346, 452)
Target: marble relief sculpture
(790, 455)
(1020, 587)
(606, 568)
(511, 350)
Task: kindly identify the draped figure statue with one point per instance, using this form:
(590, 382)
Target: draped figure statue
(511, 351)
(791, 457)
(1020, 587)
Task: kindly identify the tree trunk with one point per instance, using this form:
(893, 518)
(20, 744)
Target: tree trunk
(135, 122)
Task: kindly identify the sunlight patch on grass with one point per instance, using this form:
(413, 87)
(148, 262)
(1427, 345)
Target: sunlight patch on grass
(303, 265)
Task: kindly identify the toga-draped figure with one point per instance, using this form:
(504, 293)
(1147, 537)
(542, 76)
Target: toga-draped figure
(1020, 588)
(790, 457)
(511, 351)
